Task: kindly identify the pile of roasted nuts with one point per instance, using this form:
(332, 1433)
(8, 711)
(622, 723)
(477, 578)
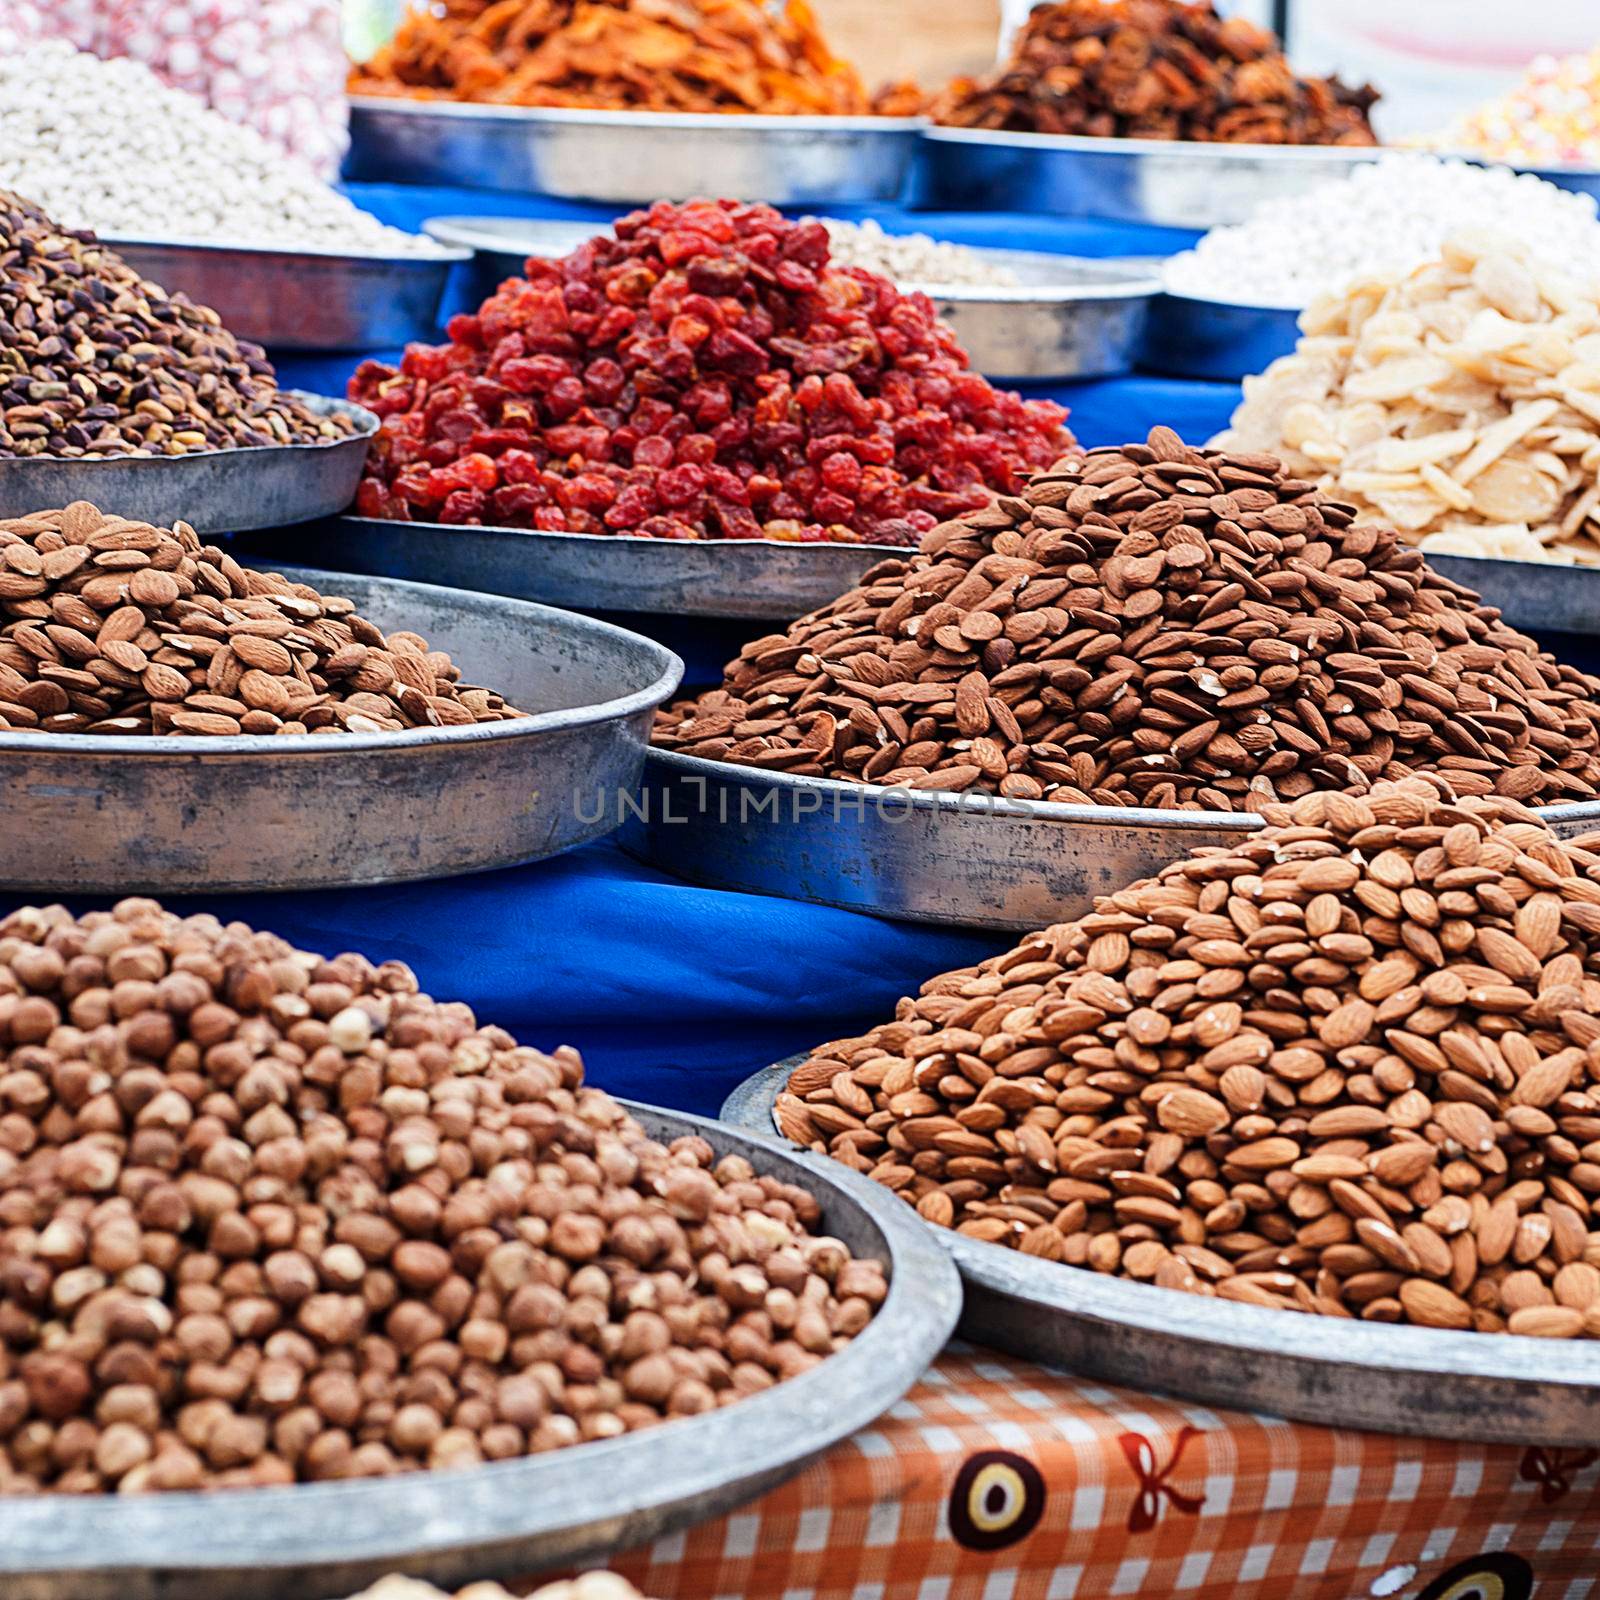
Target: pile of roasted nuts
(1155, 69)
(1348, 1065)
(115, 627)
(267, 1218)
(705, 373)
(95, 361)
(1157, 626)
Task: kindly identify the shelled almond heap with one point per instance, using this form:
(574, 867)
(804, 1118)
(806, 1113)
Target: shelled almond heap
(1349, 1066)
(115, 627)
(1153, 625)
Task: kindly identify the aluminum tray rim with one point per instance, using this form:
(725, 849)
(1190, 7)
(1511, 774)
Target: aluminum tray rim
(144, 1533)
(442, 253)
(584, 116)
(243, 745)
(974, 800)
(1243, 1329)
(635, 541)
(1203, 150)
(322, 405)
(1216, 302)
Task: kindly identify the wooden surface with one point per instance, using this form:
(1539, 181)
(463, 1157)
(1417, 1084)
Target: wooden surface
(930, 40)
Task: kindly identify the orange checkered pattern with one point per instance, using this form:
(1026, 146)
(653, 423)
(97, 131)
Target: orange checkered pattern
(997, 1480)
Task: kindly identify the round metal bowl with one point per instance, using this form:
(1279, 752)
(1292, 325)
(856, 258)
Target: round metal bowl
(317, 1541)
(761, 579)
(1175, 183)
(1068, 317)
(214, 491)
(972, 859)
(1191, 336)
(94, 814)
(303, 299)
(1424, 1382)
(630, 156)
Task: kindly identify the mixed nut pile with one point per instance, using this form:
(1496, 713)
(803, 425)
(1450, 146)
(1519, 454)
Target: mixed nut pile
(705, 373)
(95, 361)
(1459, 402)
(1155, 69)
(1346, 1066)
(114, 627)
(1155, 625)
(268, 1218)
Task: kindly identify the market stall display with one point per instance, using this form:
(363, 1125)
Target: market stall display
(462, 1257)
(1458, 402)
(111, 388)
(258, 804)
(1018, 314)
(1155, 69)
(1338, 1068)
(200, 204)
(712, 376)
(1232, 303)
(1142, 110)
(1066, 690)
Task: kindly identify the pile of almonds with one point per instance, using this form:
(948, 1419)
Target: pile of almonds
(114, 627)
(1153, 625)
(1350, 1066)
(268, 1218)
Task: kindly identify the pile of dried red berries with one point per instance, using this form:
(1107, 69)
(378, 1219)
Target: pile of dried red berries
(706, 373)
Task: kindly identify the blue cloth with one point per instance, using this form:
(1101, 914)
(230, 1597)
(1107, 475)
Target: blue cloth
(675, 993)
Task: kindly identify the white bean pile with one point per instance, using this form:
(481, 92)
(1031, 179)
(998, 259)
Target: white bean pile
(1387, 218)
(106, 145)
(914, 258)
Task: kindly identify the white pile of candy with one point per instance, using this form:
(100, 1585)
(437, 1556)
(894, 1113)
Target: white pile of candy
(106, 145)
(1388, 217)
(913, 258)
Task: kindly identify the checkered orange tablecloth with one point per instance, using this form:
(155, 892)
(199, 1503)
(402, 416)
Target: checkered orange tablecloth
(996, 1480)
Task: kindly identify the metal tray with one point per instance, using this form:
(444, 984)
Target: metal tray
(214, 491)
(762, 579)
(1190, 336)
(516, 1517)
(1166, 183)
(302, 299)
(629, 156)
(1432, 1383)
(972, 860)
(1537, 596)
(93, 814)
(1069, 317)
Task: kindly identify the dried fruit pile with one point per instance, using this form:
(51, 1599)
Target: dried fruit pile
(95, 361)
(112, 626)
(268, 1218)
(706, 373)
(1155, 69)
(1459, 402)
(1348, 1066)
(1158, 626)
(639, 55)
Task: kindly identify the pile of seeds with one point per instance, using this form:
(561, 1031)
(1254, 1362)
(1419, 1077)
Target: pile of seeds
(107, 145)
(95, 361)
(1155, 69)
(706, 373)
(268, 1218)
(1348, 1066)
(1157, 626)
(111, 626)
(1459, 402)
